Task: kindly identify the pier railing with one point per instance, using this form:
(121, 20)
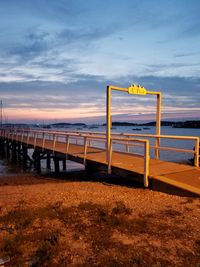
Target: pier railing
(194, 150)
(40, 138)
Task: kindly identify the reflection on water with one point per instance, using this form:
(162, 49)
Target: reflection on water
(71, 166)
(8, 168)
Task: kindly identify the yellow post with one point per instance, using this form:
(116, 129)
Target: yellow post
(108, 122)
(158, 124)
(110, 158)
(196, 155)
(146, 163)
(85, 150)
(67, 143)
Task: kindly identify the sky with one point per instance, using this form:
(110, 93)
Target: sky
(57, 57)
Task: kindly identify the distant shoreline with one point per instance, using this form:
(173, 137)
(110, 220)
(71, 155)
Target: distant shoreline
(193, 124)
(181, 124)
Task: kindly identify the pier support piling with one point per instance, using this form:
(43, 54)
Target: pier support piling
(56, 166)
(7, 149)
(64, 165)
(48, 161)
(14, 152)
(24, 156)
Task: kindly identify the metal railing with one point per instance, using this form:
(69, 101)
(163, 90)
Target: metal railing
(39, 137)
(194, 150)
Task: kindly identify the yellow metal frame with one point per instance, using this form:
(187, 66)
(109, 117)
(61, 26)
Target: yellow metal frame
(136, 90)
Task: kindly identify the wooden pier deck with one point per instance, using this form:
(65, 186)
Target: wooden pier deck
(162, 174)
(182, 176)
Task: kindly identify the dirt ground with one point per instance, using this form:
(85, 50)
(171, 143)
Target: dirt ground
(78, 221)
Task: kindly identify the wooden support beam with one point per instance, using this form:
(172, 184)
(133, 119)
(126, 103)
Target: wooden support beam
(48, 161)
(24, 156)
(14, 151)
(64, 165)
(34, 158)
(7, 149)
(38, 162)
(56, 166)
(3, 147)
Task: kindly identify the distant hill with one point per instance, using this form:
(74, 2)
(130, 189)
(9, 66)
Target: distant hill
(178, 124)
(116, 123)
(187, 124)
(65, 124)
(182, 124)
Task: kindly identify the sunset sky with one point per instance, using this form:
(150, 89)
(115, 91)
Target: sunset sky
(56, 58)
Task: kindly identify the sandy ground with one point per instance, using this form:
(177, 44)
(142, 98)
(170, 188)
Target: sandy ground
(97, 222)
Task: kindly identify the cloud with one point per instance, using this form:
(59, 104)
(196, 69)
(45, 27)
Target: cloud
(83, 35)
(87, 97)
(33, 44)
(186, 54)
(193, 29)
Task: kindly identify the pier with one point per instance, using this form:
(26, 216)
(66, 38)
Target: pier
(90, 149)
(116, 153)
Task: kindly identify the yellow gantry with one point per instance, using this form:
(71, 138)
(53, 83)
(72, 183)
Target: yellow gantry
(133, 90)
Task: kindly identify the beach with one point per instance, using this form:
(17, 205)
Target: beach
(95, 221)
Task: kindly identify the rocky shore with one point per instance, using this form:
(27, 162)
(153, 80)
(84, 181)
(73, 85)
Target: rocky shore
(81, 221)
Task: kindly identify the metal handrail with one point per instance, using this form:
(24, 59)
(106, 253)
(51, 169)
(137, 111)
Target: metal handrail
(25, 135)
(194, 151)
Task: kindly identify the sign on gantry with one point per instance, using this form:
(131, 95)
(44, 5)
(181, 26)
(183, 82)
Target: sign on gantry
(137, 90)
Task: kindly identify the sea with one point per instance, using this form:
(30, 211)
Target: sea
(8, 168)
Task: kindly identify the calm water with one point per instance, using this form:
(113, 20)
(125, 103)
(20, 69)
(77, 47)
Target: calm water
(7, 167)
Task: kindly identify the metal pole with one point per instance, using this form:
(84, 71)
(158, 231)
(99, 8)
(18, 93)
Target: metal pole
(85, 150)
(110, 158)
(196, 155)
(146, 163)
(108, 121)
(158, 124)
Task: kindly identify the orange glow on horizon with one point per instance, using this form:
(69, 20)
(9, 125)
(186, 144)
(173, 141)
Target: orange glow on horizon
(45, 114)
(87, 114)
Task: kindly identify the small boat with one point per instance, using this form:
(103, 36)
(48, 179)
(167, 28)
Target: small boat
(146, 128)
(46, 127)
(92, 127)
(136, 129)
